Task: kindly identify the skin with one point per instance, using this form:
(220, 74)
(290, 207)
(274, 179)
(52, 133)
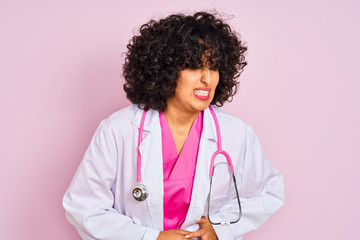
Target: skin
(173, 234)
(206, 231)
(184, 107)
(181, 112)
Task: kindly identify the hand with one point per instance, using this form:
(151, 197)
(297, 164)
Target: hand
(206, 231)
(172, 234)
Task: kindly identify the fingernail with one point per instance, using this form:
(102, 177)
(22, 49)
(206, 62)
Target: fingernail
(187, 236)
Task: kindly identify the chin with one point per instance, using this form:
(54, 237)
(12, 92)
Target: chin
(202, 107)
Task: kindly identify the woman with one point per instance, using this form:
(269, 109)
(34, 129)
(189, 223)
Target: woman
(174, 70)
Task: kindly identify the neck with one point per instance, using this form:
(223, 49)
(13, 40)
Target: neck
(180, 119)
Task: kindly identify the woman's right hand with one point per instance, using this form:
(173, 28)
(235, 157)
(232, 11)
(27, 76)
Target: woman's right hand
(172, 234)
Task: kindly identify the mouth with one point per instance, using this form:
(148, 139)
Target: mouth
(202, 94)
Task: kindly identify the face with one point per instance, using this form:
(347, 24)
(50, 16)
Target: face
(195, 89)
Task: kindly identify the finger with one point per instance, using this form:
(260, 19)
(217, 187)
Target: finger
(203, 220)
(198, 233)
(182, 232)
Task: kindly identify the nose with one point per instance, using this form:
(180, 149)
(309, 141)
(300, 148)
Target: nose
(205, 75)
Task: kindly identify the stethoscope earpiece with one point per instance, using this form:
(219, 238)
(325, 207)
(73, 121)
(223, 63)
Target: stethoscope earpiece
(139, 192)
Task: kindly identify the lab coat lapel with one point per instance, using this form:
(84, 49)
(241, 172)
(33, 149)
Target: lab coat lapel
(151, 165)
(208, 145)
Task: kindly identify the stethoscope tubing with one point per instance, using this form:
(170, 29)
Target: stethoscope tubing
(142, 188)
(219, 151)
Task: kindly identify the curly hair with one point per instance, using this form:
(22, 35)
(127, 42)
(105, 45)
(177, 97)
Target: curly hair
(163, 48)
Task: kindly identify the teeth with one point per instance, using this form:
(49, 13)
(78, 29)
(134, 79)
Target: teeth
(201, 92)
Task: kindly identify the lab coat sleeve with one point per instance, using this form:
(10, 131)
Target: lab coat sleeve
(89, 200)
(261, 191)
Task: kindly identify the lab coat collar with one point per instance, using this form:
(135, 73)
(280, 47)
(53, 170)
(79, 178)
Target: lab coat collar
(209, 127)
(152, 120)
(152, 117)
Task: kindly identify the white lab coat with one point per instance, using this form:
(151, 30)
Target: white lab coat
(99, 201)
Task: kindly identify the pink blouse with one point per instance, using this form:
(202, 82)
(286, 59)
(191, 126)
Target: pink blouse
(179, 172)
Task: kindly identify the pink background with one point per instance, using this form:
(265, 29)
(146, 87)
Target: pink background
(60, 72)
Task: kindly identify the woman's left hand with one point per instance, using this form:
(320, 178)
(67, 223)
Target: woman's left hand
(206, 231)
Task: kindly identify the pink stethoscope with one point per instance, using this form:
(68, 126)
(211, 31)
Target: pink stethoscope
(140, 192)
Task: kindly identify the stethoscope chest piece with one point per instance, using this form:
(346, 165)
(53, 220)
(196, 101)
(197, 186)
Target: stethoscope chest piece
(139, 192)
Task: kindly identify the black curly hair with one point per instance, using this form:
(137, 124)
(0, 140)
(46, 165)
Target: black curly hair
(165, 47)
